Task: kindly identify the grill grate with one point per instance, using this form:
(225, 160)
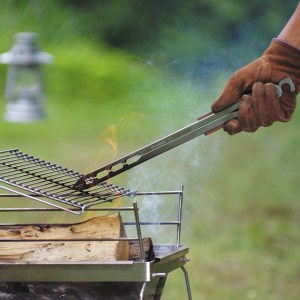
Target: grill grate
(52, 184)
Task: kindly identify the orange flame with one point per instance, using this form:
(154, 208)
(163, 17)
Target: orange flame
(109, 149)
(109, 145)
(109, 136)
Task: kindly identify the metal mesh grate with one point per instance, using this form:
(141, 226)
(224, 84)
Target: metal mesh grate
(45, 181)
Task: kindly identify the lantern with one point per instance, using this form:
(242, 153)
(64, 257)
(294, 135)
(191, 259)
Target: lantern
(24, 87)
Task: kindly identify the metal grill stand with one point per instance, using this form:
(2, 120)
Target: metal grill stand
(24, 176)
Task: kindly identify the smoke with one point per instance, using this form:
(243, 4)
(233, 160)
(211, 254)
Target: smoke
(180, 101)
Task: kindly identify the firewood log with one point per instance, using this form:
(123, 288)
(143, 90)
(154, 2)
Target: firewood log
(59, 242)
(20, 249)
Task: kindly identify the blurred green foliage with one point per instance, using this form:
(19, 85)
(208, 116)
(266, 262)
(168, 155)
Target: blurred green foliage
(183, 29)
(138, 70)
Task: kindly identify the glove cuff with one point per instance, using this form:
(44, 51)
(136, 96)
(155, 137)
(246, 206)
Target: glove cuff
(284, 58)
(276, 40)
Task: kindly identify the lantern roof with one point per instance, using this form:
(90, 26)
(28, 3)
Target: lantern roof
(25, 51)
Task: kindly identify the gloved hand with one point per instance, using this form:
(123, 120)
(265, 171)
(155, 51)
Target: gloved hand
(255, 83)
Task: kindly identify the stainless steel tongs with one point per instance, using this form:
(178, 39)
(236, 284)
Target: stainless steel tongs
(205, 125)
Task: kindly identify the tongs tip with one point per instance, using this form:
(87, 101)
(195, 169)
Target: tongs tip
(80, 184)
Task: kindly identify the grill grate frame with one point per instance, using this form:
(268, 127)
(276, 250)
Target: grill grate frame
(51, 184)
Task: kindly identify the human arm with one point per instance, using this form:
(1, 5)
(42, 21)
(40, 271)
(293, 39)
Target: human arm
(290, 33)
(255, 83)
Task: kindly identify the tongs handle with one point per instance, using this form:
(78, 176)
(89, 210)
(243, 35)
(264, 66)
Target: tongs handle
(205, 125)
(278, 92)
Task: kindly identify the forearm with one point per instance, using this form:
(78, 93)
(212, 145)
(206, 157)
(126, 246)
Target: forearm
(291, 32)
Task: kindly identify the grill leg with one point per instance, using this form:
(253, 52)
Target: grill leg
(153, 290)
(187, 283)
(142, 291)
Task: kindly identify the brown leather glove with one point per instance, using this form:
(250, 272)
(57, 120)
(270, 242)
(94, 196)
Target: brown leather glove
(254, 84)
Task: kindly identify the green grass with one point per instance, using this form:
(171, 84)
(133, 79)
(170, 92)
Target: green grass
(241, 209)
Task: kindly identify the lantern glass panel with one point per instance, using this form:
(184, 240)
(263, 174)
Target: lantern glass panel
(24, 82)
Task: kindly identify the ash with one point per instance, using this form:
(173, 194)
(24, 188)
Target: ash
(69, 291)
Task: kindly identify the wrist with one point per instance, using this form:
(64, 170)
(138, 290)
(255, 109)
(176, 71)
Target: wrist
(287, 45)
(284, 58)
